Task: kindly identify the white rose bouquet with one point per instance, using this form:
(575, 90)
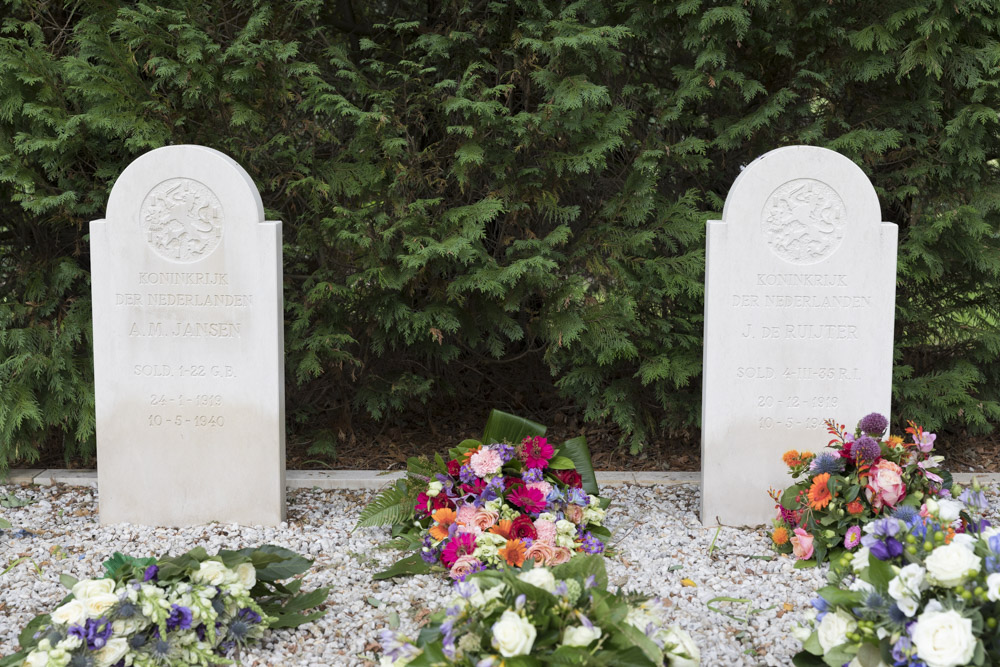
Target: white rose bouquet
(540, 616)
(192, 609)
(923, 589)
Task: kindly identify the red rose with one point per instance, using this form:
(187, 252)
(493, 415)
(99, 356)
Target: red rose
(570, 478)
(454, 467)
(523, 527)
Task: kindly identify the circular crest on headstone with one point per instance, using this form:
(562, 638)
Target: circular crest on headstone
(182, 219)
(803, 221)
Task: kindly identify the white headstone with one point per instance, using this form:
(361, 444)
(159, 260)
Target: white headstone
(799, 294)
(188, 345)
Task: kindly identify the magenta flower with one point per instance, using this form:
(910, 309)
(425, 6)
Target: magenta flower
(853, 537)
(462, 544)
(536, 452)
(530, 500)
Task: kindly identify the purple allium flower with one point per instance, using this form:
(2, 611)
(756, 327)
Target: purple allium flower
(151, 573)
(180, 618)
(866, 450)
(873, 424)
(853, 537)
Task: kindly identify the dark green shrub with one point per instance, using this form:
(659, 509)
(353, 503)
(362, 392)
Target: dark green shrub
(476, 190)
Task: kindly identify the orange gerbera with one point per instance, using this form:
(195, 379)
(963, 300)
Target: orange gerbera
(513, 552)
(791, 458)
(444, 517)
(855, 507)
(502, 527)
(819, 493)
(780, 535)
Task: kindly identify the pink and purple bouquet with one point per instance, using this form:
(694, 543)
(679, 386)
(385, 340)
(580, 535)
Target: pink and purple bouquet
(861, 476)
(496, 505)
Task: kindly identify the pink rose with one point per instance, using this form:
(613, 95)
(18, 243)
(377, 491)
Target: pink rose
(484, 519)
(574, 513)
(560, 555)
(541, 552)
(885, 485)
(802, 544)
(546, 532)
(463, 566)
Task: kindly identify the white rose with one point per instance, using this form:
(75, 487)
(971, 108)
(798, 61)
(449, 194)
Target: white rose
(129, 626)
(513, 635)
(111, 652)
(801, 633)
(213, 573)
(99, 604)
(943, 638)
(247, 575)
(564, 527)
(540, 577)
(684, 652)
(89, 587)
(579, 635)
(908, 583)
(833, 629)
(949, 509)
(965, 540)
(860, 559)
(949, 565)
(993, 587)
(72, 613)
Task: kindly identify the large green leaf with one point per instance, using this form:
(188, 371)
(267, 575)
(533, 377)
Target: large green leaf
(576, 449)
(412, 564)
(505, 427)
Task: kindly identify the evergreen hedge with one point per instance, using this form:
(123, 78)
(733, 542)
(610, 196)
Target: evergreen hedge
(472, 190)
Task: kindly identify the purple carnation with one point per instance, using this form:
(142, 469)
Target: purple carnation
(873, 424)
(866, 450)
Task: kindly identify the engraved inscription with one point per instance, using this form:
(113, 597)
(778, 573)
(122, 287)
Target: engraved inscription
(803, 221)
(182, 219)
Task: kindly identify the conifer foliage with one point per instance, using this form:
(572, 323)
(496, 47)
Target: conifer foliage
(474, 188)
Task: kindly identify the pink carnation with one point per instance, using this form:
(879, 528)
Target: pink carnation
(544, 487)
(546, 531)
(466, 514)
(485, 462)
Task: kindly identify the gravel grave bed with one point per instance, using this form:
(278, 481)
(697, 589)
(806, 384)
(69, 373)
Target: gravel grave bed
(661, 549)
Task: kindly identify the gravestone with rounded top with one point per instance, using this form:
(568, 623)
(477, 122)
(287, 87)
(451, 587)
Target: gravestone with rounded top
(799, 294)
(188, 345)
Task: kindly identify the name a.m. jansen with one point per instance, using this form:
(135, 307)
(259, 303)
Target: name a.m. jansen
(184, 330)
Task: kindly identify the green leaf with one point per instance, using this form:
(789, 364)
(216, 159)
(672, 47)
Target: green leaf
(505, 427)
(576, 449)
(120, 562)
(68, 580)
(412, 564)
(840, 597)
(804, 564)
(582, 567)
(880, 573)
(803, 659)
(561, 463)
(393, 621)
(295, 620)
(388, 508)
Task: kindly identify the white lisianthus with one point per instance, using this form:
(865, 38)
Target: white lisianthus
(213, 573)
(128, 626)
(593, 513)
(908, 583)
(908, 606)
(71, 643)
(72, 613)
(482, 598)
(434, 488)
(540, 577)
(833, 629)
(801, 633)
(580, 635)
(565, 541)
(683, 652)
(513, 635)
(943, 638)
(40, 656)
(993, 587)
(493, 505)
(861, 585)
(860, 559)
(547, 516)
(112, 652)
(564, 527)
(950, 564)
(247, 575)
(948, 509)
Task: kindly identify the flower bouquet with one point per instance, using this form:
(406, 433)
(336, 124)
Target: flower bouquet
(858, 478)
(493, 505)
(192, 609)
(923, 590)
(561, 615)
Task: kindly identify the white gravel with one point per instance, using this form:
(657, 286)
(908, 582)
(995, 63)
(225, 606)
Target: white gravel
(662, 549)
